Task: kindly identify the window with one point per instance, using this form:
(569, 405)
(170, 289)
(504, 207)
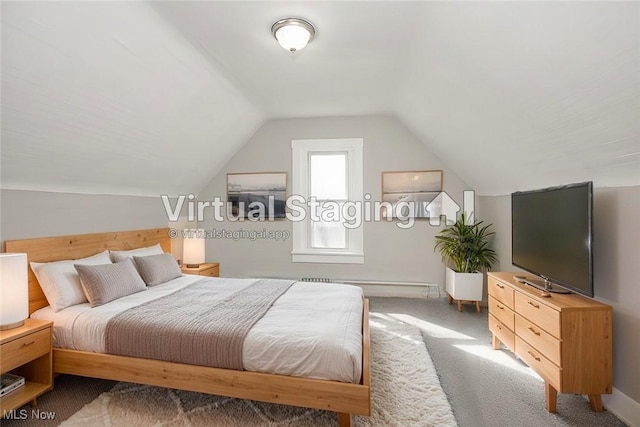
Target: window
(327, 174)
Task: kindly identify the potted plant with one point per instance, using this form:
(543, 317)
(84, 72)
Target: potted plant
(466, 246)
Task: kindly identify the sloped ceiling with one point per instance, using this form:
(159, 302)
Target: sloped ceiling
(154, 98)
(102, 97)
(521, 95)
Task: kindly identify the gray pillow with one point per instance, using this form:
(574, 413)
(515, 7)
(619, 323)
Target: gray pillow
(156, 269)
(104, 283)
(118, 256)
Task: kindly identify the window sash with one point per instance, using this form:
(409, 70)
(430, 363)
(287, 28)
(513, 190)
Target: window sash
(304, 249)
(342, 193)
(336, 223)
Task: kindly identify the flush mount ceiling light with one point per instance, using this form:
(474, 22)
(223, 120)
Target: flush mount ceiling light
(293, 33)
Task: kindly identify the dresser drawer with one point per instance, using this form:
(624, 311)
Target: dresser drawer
(536, 361)
(22, 350)
(547, 344)
(501, 292)
(501, 312)
(543, 316)
(501, 332)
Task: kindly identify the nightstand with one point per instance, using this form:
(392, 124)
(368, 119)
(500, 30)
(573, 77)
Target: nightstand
(26, 351)
(207, 269)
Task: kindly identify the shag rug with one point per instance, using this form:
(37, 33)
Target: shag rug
(405, 392)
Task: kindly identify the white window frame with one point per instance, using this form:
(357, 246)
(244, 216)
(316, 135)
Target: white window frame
(301, 149)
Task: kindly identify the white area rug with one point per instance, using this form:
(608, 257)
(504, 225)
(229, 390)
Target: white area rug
(404, 386)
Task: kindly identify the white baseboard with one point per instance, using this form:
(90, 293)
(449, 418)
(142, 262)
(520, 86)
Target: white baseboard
(625, 408)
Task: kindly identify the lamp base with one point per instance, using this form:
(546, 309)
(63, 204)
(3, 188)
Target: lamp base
(193, 265)
(11, 325)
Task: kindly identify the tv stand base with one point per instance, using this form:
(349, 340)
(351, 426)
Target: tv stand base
(546, 286)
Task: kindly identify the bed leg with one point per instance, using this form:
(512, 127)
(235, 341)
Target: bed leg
(344, 419)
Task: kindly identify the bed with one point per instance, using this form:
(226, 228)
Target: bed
(344, 398)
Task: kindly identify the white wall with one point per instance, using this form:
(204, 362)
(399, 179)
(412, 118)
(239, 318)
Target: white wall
(616, 239)
(390, 253)
(30, 214)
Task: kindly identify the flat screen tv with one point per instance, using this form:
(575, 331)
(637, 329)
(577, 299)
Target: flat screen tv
(552, 236)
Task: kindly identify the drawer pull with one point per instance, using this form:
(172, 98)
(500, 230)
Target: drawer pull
(28, 343)
(534, 331)
(534, 356)
(500, 307)
(500, 286)
(498, 326)
(535, 305)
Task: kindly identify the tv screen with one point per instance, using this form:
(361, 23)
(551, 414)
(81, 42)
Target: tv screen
(552, 234)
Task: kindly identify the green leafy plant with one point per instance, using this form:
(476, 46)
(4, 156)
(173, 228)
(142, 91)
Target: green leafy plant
(466, 246)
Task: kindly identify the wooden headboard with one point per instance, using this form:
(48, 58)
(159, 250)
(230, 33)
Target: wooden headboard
(59, 248)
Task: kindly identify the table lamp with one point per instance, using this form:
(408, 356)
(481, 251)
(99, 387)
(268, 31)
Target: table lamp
(14, 290)
(193, 248)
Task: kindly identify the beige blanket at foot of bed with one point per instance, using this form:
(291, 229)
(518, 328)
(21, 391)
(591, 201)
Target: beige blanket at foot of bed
(188, 327)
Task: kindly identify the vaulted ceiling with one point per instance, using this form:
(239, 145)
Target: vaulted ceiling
(154, 98)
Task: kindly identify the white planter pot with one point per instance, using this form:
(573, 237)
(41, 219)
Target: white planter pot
(464, 286)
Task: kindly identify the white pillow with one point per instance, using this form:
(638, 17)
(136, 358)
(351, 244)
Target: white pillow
(118, 256)
(60, 282)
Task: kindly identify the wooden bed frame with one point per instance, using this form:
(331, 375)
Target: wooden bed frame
(344, 398)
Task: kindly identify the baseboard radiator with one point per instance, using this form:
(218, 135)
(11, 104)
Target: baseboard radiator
(386, 288)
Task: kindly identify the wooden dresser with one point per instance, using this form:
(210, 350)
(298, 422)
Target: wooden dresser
(565, 338)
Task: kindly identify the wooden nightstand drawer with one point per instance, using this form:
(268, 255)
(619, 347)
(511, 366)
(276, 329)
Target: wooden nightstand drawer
(25, 349)
(207, 269)
(211, 272)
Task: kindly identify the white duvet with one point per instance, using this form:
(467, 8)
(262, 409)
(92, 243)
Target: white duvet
(312, 331)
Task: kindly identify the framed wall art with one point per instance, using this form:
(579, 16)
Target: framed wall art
(247, 193)
(410, 192)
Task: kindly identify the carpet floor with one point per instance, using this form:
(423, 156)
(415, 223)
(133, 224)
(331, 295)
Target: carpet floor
(405, 391)
(486, 387)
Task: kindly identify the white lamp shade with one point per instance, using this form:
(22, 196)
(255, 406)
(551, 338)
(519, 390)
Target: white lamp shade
(193, 247)
(293, 37)
(14, 290)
